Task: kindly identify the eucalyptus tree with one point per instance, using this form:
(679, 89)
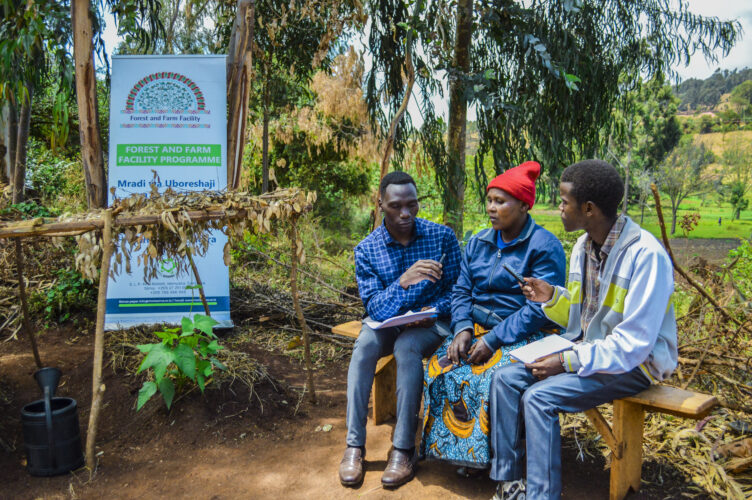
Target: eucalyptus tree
(33, 40)
(544, 75)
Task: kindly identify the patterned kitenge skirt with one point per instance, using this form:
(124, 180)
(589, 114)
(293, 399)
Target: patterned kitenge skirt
(456, 418)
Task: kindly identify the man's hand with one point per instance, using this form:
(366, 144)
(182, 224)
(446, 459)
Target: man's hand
(479, 353)
(546, 367)
(422, 270)
(537, 290)
(458, 347)
(423, 323)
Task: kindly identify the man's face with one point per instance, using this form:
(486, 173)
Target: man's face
(572, 213)
(400, 206)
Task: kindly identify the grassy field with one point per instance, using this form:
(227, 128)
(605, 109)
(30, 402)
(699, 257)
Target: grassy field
(708, 227)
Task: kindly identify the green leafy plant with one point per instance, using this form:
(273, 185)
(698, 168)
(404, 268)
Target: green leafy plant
(70, 293)
(184, 355)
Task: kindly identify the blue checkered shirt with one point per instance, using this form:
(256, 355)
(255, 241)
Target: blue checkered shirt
(380, 261)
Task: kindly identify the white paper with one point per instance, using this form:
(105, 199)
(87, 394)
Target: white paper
(550, 344)
(408, 317)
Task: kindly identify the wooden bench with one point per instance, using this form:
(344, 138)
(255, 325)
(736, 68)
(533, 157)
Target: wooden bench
(624, 437)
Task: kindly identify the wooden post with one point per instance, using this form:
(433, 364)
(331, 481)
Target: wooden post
(298, 310)
(625, 471)
(198, 281)
(97, 385)
(24, 307)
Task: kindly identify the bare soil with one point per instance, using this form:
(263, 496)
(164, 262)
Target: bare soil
(225, 445)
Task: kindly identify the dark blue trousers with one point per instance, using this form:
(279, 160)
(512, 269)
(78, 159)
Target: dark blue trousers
(522, 406)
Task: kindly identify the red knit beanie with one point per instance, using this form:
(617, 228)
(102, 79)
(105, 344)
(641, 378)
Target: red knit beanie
(519, 181)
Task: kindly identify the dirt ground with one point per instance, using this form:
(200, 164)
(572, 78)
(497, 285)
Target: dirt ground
(222, 445)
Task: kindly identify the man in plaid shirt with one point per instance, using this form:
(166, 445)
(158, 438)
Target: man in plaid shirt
(407, 263)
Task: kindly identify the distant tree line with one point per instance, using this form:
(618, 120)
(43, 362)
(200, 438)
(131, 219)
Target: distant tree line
(696, 94)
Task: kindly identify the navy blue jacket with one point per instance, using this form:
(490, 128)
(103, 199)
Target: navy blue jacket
(484, 282)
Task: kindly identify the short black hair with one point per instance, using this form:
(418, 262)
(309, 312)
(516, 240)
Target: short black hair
(396, 177)
(596, 181)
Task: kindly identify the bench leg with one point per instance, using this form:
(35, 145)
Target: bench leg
(385, 390)
(627, 427)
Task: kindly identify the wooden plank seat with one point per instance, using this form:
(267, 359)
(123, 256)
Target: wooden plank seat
(623, 437)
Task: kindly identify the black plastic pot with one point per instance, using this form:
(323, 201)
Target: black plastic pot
(50, 428)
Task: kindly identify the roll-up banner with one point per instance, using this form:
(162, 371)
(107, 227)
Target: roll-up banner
(168, 114)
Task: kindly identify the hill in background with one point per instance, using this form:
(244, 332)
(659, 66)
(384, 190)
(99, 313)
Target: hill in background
(705, 95)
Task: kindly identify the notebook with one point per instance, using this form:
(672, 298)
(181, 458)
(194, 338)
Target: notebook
(550, 344)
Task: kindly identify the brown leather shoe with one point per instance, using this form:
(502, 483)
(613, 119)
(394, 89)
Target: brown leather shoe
(399, 469)
(351, 467)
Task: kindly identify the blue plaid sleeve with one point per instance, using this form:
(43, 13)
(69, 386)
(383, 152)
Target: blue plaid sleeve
(380, 303)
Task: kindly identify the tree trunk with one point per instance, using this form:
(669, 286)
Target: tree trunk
(265, 138)
(454, 198)
(3, 152)
(674, 210)
(642, 211)
(19, 172)
(625, 207)
(389, 146)
(12, 138)
(553, 188)
(88, 112)
(239, 62)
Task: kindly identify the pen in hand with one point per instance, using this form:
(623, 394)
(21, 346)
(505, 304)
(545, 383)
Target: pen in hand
(441, 260)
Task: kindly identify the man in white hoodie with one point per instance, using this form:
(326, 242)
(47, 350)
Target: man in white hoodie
(616, 307)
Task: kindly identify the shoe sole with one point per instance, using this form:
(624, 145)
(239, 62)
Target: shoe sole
(392, 486)
(351, 483)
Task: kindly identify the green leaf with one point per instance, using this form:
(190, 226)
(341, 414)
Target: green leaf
(146, 392)
(166, 337)
(218, 364)
(145, 347)
(204, 368)
(159, 358)
(201, 382)
(167, 388)
(185, 359)
(187, 325)
(205, 324)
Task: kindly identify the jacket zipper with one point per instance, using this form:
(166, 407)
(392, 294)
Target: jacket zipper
(493, 269)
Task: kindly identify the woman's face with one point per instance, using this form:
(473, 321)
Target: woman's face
(505, 211)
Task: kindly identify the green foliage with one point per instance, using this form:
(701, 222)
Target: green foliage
(184, 355)
(28, 210)
(70, 293)
(698, 94)
(736, 196)
(54, 178)
(741, 272)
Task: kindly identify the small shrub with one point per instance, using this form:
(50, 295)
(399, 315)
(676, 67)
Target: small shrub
(70, 293)
(184, 355)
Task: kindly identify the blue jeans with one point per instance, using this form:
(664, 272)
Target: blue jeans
(409, 347)
(521, 403)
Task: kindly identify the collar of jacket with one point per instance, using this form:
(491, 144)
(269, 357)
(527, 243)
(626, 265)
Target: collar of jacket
(489, 235)
(418, 231)
(629, 235)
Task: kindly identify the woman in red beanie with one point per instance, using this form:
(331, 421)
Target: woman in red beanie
(490, 317)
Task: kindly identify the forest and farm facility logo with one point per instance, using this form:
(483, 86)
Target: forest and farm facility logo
(165, 99)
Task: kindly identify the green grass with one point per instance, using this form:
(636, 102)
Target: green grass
(708, 226)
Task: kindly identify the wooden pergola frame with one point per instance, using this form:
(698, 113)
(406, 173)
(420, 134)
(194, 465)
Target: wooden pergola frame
(105, 221)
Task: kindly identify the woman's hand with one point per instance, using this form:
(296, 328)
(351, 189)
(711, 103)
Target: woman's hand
(458, 348)
(537, 290)
(479, 353)
(546, 367)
